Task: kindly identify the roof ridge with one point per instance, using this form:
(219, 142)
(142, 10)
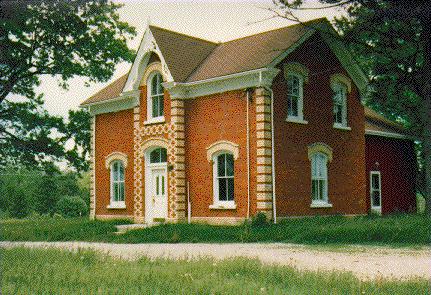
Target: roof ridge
(183, 34)
(276, 29)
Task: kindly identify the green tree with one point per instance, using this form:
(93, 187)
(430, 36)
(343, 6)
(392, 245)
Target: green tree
(62, 39)
(391, 39)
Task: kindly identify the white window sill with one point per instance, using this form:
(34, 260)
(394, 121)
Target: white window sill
(341, 127)
(116, 206)
(296, 120)
(320, 205)
(155, 121)
(223, 206)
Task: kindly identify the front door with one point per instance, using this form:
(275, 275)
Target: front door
(159, 198)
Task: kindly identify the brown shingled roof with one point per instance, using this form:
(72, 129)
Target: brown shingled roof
(248, 53)
(111, 91)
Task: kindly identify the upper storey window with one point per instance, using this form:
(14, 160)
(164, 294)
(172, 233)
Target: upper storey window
(340, 105)
(296, 75)
(341, 86)
(294, 97)
(155, 103)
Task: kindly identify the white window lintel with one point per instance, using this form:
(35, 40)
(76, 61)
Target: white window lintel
(222, 145)
(115, 156)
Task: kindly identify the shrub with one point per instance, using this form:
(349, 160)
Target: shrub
(259, 220)
(71, 206)
(18, 205)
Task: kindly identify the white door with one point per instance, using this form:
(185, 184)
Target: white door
(159, 198)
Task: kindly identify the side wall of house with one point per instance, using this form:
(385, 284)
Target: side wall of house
(207, 120)
(396, 161)
(113, 133)
(346, 178)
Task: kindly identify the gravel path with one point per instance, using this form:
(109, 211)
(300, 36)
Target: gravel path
(364, 262)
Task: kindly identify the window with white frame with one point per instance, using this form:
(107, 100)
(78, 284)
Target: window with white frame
(340, 105)
(375, 190)
(319, 178)
(223, 178)
(155, 97)
(117, 184)
(294, 97)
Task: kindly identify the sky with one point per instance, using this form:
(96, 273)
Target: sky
(211, 20)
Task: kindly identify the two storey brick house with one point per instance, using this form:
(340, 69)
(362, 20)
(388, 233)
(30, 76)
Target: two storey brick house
(216, 132)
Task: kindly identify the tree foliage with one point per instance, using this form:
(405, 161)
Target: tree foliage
(62, 39)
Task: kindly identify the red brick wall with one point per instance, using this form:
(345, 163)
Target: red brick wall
(114, 133)
(395, 159)
(346, 179)
(208, 120)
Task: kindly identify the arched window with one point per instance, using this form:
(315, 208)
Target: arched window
(296, 75)
(294, 96)
(117, 184)
(319, 178)
(159, 155)
(340, 105)
(223, 178)
(155, 97)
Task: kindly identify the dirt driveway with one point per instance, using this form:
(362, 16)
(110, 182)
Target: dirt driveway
(364, 262)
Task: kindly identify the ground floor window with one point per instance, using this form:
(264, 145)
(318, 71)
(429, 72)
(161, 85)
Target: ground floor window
(117, 183)
(375, 189)
(319, 178)
(224, 177)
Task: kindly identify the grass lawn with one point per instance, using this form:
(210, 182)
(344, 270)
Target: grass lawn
(50, 271)
(396, 230)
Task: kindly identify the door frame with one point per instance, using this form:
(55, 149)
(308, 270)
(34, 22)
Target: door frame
(148, 184)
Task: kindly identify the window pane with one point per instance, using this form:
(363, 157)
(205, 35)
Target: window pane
(163, 185)
(159, 84)
(121, 193)
(163, 156)
(155, 156)
(157, 185)
(114, 171)
(222, 189)
(116, 192)
(161, 106)
(229, 165)
(155, 111)
(221, 165)
(376, 198)
(121, 171)
(154, 85)
(321, 189)
(375, 181)
(314, 190)
(292, 106)
(293, 85)
(230, 189)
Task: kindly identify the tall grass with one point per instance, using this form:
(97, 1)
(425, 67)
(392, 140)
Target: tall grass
(57, 229)
(397, 230)
(49, 271)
